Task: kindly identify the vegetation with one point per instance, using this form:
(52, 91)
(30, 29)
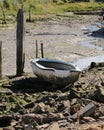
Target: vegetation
(43, 7)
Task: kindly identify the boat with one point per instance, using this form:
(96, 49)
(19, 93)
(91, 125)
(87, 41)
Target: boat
(55, 71)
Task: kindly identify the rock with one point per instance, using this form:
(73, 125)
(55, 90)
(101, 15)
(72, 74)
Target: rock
(73, 101)
(39, 119)
(74, 93)
(6, 91)
(54, 126)
(29, 105)
(92, 127)
(43, 127)
(63, 123)
(2, 107)
(28, 127)
(19, 127)
(42, 108)
(92, 65)
(63, 96)
(13, 123)
(101, 118)
(89, 119)
(101, 94)
(66, 103)
(54, 117)
(5, 120)
(18, 108)
(8, 128)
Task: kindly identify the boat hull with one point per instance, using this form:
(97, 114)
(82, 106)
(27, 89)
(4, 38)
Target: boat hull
(57, 76)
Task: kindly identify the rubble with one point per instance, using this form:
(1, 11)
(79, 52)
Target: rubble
(25, 108)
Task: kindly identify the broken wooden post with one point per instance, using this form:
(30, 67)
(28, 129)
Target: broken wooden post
(36, 49)
(86, 111)
(42, 54)
(0, 59)
(20, 37)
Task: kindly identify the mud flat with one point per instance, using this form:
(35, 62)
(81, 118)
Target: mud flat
(61, 37)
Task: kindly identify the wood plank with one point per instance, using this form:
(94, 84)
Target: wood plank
(86, 111)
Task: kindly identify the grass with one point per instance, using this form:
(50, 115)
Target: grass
(49, 8)
(61, 8)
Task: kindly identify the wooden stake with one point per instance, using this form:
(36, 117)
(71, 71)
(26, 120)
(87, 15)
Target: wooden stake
(42, 54)
(36, 49)
(0, 59)
(20, 37)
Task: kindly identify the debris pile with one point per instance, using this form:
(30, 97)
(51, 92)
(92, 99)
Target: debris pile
(27, 104)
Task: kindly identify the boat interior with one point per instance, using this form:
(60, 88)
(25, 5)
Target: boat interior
(56, 65)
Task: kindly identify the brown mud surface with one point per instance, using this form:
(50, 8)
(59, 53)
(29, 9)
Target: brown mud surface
(61, 37)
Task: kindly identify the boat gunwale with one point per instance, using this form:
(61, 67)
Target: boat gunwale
(35, 61)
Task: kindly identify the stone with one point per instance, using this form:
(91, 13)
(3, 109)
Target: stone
(28, 127)
(8, 128)
(2, 107)
(54, 126)
(19, 127)
(6, 91)
(101, 94)
(101, 117)
(29, 105)
(89, 119)
(54, 117)
(5, 120)
(36, 117)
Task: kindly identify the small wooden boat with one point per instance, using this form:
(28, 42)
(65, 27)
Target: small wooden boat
(55, 71)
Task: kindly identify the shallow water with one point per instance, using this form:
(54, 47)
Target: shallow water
(85, 63)
(91, 37)
(89, 45)
(94, 27)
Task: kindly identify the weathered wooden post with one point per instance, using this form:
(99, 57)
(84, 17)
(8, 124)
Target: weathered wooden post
(42, 54)
(36, 49)
(0, 59)
(20, 39)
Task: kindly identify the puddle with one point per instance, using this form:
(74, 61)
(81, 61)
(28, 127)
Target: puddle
(89, 45)
(94, 27)
(94, 31)
(97, 32)
(85, 63)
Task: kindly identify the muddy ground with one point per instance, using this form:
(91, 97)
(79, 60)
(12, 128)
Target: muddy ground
(62, 37)
(26, 103)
